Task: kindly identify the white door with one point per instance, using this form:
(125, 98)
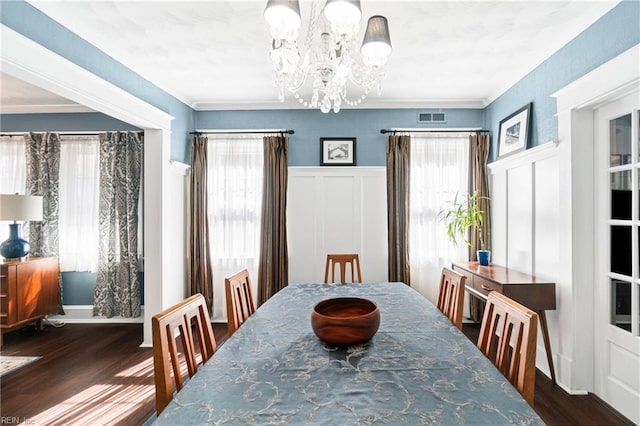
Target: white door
(617, 271)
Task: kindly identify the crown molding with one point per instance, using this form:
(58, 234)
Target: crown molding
(370, 104)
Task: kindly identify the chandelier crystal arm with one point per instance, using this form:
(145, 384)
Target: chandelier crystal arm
(329, 60)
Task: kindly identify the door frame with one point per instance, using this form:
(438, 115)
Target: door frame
(29, 61)
(576, 105)
(610, 383)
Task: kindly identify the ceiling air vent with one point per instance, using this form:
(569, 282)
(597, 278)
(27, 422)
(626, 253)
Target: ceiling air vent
(431, 117)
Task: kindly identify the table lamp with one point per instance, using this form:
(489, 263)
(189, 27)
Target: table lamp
(18, 208)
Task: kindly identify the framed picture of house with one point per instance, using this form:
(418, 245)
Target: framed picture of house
(514, 132)
(337, 151)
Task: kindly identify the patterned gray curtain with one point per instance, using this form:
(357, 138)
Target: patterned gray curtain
(398, 164)
(200, 269)
(43, 171)
(273, 270)
(117, 289)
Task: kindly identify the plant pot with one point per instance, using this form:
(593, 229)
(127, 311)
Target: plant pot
(484, 257)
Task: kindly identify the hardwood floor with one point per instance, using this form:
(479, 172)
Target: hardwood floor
(557, 407)
(97, 374)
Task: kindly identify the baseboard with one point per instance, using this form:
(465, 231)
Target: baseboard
(83, 314)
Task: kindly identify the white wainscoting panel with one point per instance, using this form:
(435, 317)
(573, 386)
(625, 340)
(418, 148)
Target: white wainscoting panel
(546, 235)
(499, 218)
(302, 232)
(336, 210)
(525, 227)
(373, 217)
(520, 218)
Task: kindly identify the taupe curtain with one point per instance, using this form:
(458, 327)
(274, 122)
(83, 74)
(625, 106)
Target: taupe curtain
(398, 163)
(479, 182)
(43, 177)
(273, 270)
(117, 291)
(200, 268)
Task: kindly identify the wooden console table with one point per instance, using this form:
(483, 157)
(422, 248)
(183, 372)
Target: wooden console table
(537, 295)
(29, 291)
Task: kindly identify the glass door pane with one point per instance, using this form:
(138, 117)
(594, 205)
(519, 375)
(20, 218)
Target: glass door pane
(620, 141)
(623, 222)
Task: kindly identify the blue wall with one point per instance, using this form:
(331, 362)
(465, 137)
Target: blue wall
(311, 125)
(25, 19)
(614, 33)
(87, 121)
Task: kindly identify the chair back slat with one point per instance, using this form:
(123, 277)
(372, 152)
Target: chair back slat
(508, 338)
(240, 305)
(342, 260)
(451, 295)
(173, 325)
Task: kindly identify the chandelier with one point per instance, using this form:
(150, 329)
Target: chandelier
(327, 61)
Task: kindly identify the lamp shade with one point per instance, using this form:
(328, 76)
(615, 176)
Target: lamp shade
(18, 207)
(283, 14)
(347, 11)
(377, 41)
(22, 208)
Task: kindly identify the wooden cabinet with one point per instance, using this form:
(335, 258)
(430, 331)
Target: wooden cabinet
(29, 290)
(536, 294)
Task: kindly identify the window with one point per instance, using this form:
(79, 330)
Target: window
(235, 174)
(13, 173)
(78, 196)
(78, 203)
(439, 170)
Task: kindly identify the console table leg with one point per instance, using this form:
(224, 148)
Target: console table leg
(547, 344)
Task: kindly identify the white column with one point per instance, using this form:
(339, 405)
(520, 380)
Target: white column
(164, 228)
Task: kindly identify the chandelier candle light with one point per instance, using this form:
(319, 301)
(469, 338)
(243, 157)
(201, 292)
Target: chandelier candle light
(328, 59)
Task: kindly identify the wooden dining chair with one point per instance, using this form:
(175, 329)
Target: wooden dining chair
(451, 295)
(175, 344)
(342, 260)
(240, 304)
(508, 338)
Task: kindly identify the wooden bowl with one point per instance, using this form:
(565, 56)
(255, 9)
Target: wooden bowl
(344, 321)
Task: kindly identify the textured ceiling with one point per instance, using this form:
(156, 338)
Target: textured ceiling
(214, 54)
(19, 97)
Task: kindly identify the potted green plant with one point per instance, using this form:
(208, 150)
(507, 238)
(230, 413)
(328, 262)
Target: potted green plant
(462, 214)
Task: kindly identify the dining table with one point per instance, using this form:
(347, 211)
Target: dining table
(417, 369)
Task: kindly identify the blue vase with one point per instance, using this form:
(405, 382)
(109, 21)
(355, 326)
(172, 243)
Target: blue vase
(15, 247)
(484, 257)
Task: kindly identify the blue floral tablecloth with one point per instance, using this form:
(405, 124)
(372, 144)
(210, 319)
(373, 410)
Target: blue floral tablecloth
(417, 369)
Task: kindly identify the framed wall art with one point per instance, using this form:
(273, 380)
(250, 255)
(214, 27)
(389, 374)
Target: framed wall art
(337, 151)
(514, 132)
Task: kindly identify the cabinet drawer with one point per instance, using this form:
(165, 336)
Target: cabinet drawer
(485, 286)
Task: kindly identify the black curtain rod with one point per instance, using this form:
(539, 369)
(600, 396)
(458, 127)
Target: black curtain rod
(383, 131)
(233, 132)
